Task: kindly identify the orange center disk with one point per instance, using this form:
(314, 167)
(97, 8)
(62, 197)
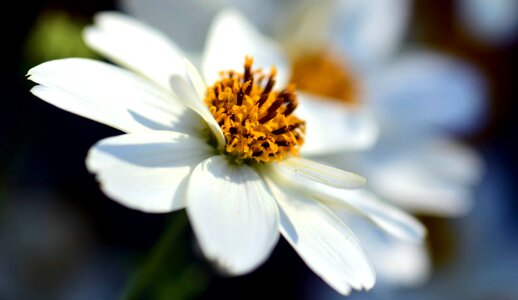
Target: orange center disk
(325, 74)
(258, 123)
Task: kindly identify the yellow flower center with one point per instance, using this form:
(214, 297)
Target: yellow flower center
(258, 123)
(325, 74)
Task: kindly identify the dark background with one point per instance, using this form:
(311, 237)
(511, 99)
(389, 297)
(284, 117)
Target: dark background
(61, 238)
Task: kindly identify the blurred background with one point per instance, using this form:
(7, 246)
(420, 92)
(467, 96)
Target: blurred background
(61, 238)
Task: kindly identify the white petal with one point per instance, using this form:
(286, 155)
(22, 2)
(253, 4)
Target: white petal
(135, 45)
(304, 25)
(389, 218)
(333, 127)
(147, 171)
(174, 16)
(363, 202)
(447, 158)
(191, 92)
(296, 168)
(110, 95)
(493, 21)
(414, 188)
(196, 80)
(395, 261)
(423, 91)
(184, 21)
(368, 31)
(233, 214)
(325, 243)
(430, 175)
(230, 39)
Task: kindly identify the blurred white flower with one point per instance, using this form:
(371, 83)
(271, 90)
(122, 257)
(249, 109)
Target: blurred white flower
(173, 16)
(420, 99)
(483, 258)
(492, 21)
(227, 153)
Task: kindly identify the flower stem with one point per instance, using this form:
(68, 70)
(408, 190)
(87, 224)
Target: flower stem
(161, 252)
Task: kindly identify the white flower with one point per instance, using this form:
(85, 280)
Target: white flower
(175, 155)
(420, 98)
(492, 21)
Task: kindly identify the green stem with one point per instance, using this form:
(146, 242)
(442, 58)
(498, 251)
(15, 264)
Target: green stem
(160, 252)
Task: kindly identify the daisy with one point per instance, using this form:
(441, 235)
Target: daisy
(420, 98)
(491, 21)
(224, 146)
(345, 54)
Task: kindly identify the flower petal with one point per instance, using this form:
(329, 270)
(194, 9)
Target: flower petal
(110, 95)
(231, 38)
(422, 195)
(430, 175)
(135, 45)
(368, 31)
(363, 202)
(173, 17)
(447, 158)
(147, 171)
(422, 91)
(233, 214)
(325, 243)
(492, 21)
(296, 168)
(196, 80)
(191, 93)
(333, 127)
(394, 221)
(416, 190)
(396, 262)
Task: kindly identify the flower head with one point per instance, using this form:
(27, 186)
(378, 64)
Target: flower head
(227, 151)
(258, 123)
(325, 74)
(419, 98)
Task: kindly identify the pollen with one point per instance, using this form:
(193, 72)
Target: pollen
(324, 73)
(258, 122)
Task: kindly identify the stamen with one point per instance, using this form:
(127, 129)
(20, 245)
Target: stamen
(271, 82)
(248, 89)
(240, 96)
(258, 123)
(262, 100)
(268, 117)
(275, 105)
(248, 67)
(290, 108)
(285, 129)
